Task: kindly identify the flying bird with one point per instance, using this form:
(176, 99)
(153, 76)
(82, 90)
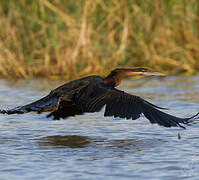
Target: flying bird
(90, 94)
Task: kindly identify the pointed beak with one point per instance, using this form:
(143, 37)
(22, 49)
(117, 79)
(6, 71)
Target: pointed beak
(153, 74)
(140, 73)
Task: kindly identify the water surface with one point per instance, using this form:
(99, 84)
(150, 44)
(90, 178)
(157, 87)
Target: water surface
(94, 147)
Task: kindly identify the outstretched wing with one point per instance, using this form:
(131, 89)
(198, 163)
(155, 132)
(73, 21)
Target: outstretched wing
(48, 103)
(124, 105)
(59, 102)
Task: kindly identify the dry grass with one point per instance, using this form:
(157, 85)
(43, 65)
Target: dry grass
(66, 38)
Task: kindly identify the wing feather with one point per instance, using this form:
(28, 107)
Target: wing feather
(124, 105)
(48, 103)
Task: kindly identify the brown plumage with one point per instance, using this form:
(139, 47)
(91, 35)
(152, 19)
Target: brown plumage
(92, 93)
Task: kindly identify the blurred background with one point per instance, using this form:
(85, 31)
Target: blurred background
(68, 39)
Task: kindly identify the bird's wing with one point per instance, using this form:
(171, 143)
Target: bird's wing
(48, 103)
(124, 105)
(59, 101)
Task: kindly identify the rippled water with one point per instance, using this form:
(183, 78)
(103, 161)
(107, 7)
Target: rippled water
(94, 147)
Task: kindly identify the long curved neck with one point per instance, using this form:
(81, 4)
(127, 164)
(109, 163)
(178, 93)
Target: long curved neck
(116, 76)
(113, 79)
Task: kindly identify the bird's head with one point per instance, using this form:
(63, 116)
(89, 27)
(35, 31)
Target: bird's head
(118, 74)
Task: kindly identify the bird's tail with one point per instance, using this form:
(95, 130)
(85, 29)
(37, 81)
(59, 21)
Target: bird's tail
(48, 103)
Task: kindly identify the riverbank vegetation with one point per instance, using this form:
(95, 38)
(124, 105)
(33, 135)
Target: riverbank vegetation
(68, 39)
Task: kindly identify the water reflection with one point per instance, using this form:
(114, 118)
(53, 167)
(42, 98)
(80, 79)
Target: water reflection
(76, 141)
(58, 141)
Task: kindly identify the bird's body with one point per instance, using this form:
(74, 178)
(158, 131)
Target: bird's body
(92, 93)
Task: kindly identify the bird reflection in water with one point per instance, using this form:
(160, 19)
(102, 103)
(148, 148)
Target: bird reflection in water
(71, 141)
(75, 141)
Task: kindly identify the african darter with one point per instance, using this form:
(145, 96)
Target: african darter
(92, 93)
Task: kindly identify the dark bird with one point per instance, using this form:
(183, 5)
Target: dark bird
(92, 93)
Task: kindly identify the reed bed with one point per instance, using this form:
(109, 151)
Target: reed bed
(68, 39)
